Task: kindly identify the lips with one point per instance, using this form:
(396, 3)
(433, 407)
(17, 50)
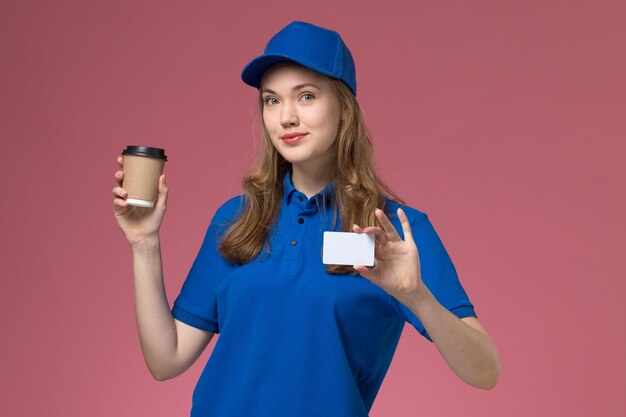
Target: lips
(293, 138)
(292, 135)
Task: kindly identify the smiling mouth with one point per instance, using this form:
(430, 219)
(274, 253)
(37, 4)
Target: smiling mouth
(293, 135)
(293, 139)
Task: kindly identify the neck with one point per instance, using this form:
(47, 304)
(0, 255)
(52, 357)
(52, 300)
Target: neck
(310, 181)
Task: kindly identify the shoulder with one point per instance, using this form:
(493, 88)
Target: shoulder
(229, 209)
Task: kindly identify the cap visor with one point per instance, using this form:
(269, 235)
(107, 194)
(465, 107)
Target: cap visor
(253, 72)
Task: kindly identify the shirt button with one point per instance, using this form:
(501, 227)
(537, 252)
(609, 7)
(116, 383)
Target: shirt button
(300, 198)
(293, 243)
(300, 220)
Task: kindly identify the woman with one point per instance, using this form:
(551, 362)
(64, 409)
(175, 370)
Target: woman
(297, 337)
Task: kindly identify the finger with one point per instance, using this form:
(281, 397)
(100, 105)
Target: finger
(119, 192)
(390, 230)
(367, 273)
(379, 234)
(120, 161)
(163, 192)
(406, 226)
(119, 203)
(119, 177)
(358, 229)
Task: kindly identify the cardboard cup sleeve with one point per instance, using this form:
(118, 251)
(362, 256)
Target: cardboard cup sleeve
(141, 179)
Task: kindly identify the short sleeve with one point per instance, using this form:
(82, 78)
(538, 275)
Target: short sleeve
(196, 305)
(438, 273)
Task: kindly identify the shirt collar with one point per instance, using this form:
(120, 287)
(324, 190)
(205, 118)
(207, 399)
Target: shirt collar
(327, 194)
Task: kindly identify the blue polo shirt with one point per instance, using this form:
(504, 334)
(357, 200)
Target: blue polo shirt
(293, 339)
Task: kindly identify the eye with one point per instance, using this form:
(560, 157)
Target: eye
(310, 97)
(268, 100)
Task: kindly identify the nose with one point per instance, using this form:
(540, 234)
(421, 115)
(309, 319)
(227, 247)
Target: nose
(289, 115)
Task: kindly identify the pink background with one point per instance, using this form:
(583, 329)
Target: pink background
(504, 121)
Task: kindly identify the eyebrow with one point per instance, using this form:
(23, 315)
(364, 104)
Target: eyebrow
(297, 87)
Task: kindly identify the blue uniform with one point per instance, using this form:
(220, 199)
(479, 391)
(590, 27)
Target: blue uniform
(293, 339)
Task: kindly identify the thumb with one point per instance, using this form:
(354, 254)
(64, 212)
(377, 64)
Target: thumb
(367, 273)
(163, 191)
(162, 184)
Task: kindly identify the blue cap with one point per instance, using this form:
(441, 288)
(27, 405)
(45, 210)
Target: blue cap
(319, 49)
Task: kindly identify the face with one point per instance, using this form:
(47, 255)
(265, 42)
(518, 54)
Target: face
(299, 101)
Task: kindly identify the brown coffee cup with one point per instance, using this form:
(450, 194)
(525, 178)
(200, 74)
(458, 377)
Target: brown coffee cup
(143, 166)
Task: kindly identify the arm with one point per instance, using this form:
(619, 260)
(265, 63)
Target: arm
(169, 346)
(464, 344)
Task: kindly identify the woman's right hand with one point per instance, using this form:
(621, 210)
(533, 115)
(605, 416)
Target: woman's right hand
(138, 223)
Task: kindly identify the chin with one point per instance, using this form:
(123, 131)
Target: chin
(294, 159)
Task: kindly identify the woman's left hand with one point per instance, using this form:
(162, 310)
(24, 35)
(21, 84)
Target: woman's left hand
(396, 261)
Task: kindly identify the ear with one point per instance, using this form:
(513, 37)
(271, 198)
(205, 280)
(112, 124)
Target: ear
(344, 112)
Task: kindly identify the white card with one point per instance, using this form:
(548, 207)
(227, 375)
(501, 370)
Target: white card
(344, 248)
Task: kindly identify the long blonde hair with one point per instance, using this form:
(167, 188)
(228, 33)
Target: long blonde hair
(358, 190)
